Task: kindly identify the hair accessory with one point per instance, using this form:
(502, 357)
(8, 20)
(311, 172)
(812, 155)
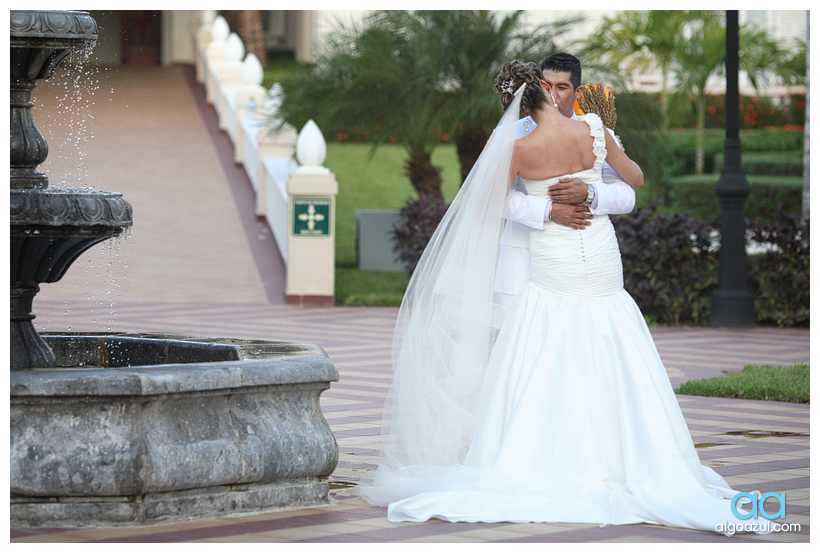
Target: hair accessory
(507, 86)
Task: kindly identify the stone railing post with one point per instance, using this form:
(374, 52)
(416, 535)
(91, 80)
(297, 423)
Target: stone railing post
(201, 40)
(228, 75)
(251, 91)
(215, 53)
(312, 191)
(261, 141)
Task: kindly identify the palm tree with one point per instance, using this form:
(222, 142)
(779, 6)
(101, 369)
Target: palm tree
(383, 77)
(700, 49)
(639, 40)
(413, 76)
(250, 30)
(687, 46)
(474, 45)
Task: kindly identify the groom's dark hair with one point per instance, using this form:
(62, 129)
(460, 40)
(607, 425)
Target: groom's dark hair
(564, 62)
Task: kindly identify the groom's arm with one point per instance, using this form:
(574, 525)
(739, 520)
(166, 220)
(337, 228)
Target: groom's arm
(531, 211)
(614, 195)
(534, 212)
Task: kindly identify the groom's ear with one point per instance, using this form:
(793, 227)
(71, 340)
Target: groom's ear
(578, 92)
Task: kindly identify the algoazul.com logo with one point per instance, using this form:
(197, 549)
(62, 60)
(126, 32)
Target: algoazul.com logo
(758, 506)
(757, 509)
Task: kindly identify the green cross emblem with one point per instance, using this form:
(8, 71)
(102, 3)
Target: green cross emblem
(311, 216)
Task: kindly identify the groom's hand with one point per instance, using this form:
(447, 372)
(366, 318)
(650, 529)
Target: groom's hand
(568, 191)
(571, 215)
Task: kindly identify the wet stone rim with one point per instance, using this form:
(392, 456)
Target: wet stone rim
(50, 208)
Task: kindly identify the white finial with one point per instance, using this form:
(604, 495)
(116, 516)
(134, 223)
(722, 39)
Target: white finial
(252, 72)
(234, 48)
(206, 17)
(219, 28)
(311, 149)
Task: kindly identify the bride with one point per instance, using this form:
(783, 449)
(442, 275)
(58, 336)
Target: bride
(559, 410)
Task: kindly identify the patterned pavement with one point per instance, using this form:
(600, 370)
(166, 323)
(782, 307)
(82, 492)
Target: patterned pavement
(754, 444)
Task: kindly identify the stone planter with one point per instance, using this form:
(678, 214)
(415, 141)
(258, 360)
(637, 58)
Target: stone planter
(151, 428)
(374, 240)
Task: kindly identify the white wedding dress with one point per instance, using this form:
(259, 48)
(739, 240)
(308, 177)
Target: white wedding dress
(576, 418)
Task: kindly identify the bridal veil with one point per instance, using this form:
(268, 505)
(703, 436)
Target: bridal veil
(444, 332)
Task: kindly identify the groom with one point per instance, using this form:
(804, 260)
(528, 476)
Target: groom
(573, 201)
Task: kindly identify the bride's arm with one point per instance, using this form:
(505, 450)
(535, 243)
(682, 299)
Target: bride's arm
(513, 171)
(625, 167)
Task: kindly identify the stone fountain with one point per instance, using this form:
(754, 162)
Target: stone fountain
(115, 429)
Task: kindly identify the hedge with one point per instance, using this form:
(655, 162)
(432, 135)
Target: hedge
(696, 194)
(778, 164)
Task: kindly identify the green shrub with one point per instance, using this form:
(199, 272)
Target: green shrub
(682, 145)
(669, 268)
(772, 139)
(779, 164)
(418, 220)
(779, 279)
(761, 382)
(696, 194)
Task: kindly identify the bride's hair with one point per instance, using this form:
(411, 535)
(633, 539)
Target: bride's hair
(512, 76)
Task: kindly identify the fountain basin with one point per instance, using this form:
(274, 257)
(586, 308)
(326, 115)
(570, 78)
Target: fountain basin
(160, 427)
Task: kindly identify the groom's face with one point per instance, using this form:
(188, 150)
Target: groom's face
(562, 89)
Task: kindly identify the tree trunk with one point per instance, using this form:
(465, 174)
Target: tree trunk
(424, 176)
(806, 157)
(469, 145)
(249, 29)
(700, 140)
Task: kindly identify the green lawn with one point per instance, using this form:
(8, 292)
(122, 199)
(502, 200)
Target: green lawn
(377, 181)
(755, 382)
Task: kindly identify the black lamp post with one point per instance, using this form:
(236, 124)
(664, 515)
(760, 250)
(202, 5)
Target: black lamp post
(732, 304)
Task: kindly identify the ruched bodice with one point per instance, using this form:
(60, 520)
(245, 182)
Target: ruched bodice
(577, 262)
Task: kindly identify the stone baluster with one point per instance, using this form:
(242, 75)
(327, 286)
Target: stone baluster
(251, 91)
(228, 75)
(201, 41)
(270, 142)
(312, 190)
(215, 54)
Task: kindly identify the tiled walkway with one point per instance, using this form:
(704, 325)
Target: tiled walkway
(754, 444)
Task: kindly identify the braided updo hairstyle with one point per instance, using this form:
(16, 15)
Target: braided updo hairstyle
(512, 76)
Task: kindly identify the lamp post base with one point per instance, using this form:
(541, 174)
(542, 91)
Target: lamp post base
(733, 308)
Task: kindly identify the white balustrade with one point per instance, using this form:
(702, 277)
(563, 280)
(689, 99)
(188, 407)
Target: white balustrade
(228, 74)
(294, 191)
(236, 100)
(215, 54)
(201, 41)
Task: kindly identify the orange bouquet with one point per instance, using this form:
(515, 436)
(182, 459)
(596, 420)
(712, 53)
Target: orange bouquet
(598, 99)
